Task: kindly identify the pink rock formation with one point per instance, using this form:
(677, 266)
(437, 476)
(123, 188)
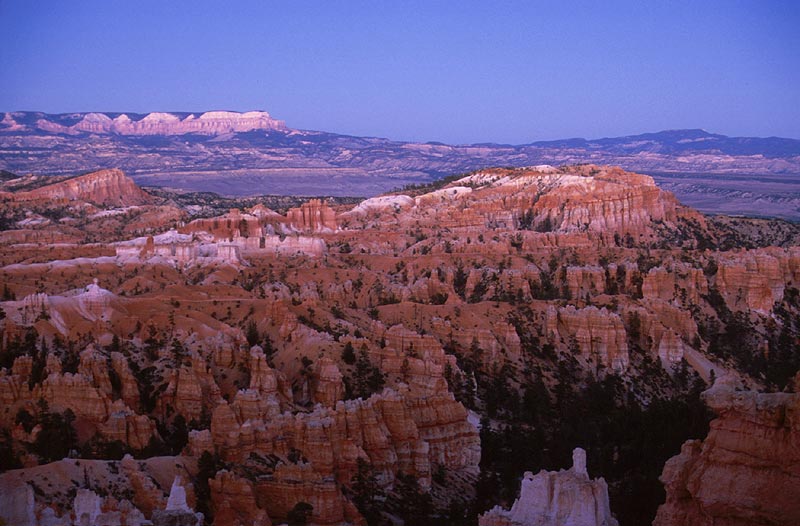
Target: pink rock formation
(190, 389)
(329, 386)
(583, 281)
(313, 216)
(596, 333)
(177, 512)
(395, 431)
(745, 471)
(682, 283)
(756, 279)
(105, 187)
(234, 501)
(594, 199)
(293, 483)
(88, 394)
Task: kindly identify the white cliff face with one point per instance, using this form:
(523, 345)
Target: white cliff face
(563, 498)
(87, 507)
(209, 123)
(177, 497)
(94, 302)
(17, 506)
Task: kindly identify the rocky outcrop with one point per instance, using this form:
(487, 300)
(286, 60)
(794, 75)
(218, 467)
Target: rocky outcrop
(33, 307)
(756, 279)
(177, 512)
(607, 201)
(89, 394)
(190, 389)
(745, 471)
(395, 431)
(681, 283)
(595, 199)
(293, 483)
(313, 216)
(585, 281)
(105, 187)
(329, 386)
(596, 334)
(95, 302)
(234, 501)
(249, 233)
(563, 498)
(229, 226)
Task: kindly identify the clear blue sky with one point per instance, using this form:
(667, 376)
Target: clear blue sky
(448, 71)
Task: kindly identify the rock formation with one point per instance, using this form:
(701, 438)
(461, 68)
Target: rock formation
(756, 279)
(563, 498)
(234, 501)
(745, 471)
(329, 386)
(208, 123)
(17, 506)
(105, 187)
(313, 216)
(395, 431)
(177, 512)
(365, 166)
(595, 333)
(292, 348)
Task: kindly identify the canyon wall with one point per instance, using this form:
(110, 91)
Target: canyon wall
(745, 472)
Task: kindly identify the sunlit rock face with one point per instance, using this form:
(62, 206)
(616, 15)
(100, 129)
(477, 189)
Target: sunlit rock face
(599, 200)
(104, 187)
(755, 280)
(745, 471)
(596, 333)
(314, 216)
(396, 431)
(209, 123)
(563, 498)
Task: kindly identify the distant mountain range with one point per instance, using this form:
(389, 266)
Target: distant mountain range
(252, 153)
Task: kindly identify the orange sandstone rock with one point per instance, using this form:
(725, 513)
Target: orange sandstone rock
(745, 471)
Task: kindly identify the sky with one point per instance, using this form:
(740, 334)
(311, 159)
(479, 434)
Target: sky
(455, 72)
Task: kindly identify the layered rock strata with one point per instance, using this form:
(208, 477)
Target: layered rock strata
(104, 187)
(745, 472)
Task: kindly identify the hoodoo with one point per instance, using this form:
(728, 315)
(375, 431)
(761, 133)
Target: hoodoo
(557, 498)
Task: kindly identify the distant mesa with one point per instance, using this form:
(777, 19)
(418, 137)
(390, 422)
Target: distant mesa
(208, 123)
